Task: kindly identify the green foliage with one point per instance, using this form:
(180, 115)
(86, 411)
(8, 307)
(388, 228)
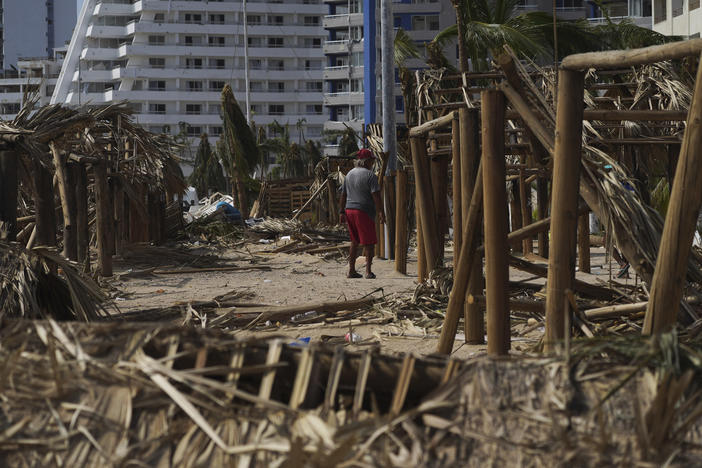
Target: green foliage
(207, 174)
(660, 197)
(404, 48)
(295, 159)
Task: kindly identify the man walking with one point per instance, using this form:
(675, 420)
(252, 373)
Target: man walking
(360, 199)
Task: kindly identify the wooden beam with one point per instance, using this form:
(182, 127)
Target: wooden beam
(584, 243)
(80, 177)
(632, 57)
(669, 277)
(68, 203)
(456, 188)
(423, 197)
(422, 130)
(496, 223)
(564, 204)
(104, 216)
(401, 221)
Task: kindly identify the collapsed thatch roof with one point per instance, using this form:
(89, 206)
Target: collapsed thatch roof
(31, 287)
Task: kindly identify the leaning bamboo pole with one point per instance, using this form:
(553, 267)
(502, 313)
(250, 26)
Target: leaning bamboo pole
(496, 225)
(469, 123)
(423, 196)
(461, 277)
(680, 222)
(8, 195)
(68, 203)
(456, 188)
(629, 58)
(564, 205)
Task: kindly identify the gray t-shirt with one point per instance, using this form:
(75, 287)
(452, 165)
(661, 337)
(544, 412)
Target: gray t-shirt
(358, 186)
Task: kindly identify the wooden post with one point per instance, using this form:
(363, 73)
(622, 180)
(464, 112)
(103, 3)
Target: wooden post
(456, 189)
(80, 177)
(103, 216)
(542, 213)
(401, 221)
(120, 218)
(564, 207)
(515, 213)
(8, 195)
(44, 205)
(469, 122)
(68, 204)
(524, 198)
(438, 184)
(462, 275)
(669, 277)
(496, 226)
(424, 201)
(584, 243)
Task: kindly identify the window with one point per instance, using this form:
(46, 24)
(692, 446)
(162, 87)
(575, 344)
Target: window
(399, 104)
(159, 17)
(255, 42)
(193, 40)
(216, 19)
(193, 18)
(255, 108)
(425, 23)
(276, 87)
(157, 85)
(216, 131)
(311, 21)
(256, 86)
(275, 42)
(194, 131)
(313, 86)
(193, 85)
(193, 109)
(276, 109)
(256, 64)
(157, 62)
(216, 41)
(313, 64)
(313, 109)
(216, 63)
(312, 42)
(157, 40)
(157, 108)
(216, 85)
(214, 109)
(276, 64)
(275, 20)
(253, 20)
(193, 63)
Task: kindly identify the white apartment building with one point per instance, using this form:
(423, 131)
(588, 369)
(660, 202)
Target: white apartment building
(170, 60)
(677, 17)
(352, 71)
(34, 28)
(32, 75)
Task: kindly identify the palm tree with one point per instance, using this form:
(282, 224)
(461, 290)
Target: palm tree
(239, 152)
(207, 174)
(406, 49)
(294, 159)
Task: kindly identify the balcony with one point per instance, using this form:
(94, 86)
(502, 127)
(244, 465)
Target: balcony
(339, 72)
(342, 21)
(343, 98)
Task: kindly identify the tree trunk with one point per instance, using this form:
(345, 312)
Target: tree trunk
(8, 195)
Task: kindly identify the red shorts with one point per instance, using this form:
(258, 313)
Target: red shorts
(361, 227)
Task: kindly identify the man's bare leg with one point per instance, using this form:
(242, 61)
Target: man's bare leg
(368, 251)
(353, 255)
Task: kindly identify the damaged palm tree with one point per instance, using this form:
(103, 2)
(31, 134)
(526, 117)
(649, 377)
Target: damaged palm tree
(30, 287)
(242, 151)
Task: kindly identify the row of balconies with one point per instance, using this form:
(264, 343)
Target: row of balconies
(142, 49)
(173, 94)
(99, 31)
(198, 73)
(342, 21)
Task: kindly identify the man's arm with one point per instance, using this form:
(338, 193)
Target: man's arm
(379, 206)
(342, 209)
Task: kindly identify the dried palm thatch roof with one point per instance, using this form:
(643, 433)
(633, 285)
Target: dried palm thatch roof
(186, 397)
(30, 287)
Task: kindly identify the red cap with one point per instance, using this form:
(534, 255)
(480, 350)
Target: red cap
(365, 154)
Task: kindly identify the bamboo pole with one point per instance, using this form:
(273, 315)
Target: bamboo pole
(632, 57)
(542, 214)
(438, 187)
(469, 123)
(421, 254)
(566, 176)
(422, 130)
(456, 188)
(68, 204)
(669, 276)
(584, 243)
(80, 176)
(401, 221)
(515, 213)
(424, 200)
(496, 226)
(461, 277)
(103, 215)
(8, 195)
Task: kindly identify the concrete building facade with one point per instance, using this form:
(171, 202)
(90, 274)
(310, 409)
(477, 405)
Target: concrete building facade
(677, 17)
(170, 60)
